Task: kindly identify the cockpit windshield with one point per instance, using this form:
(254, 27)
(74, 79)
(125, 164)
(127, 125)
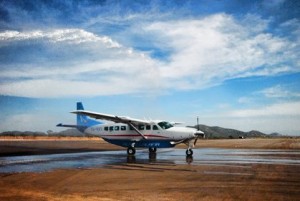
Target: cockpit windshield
(165, 125)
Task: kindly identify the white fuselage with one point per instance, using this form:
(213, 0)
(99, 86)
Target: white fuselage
(134, 133)
(119, 131)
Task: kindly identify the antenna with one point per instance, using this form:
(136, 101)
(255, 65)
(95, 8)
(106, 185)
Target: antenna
(198, 126)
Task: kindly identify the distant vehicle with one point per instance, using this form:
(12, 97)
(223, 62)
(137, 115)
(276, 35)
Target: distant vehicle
(135, 133)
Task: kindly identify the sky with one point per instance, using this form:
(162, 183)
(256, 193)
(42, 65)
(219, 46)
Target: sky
(232, 63)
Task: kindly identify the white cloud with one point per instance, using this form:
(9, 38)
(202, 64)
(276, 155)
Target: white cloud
(107, 69)
(279, 91)
(217, 48)
(73, 36)
(41, 88)
(275, 110)
(203, 52)
(279, 117)
(244, 100)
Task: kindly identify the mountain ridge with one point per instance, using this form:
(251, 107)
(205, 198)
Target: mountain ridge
(211, 132)
(220, 132)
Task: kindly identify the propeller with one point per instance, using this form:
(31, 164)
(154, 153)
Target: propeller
(198, 133)
(198, 126)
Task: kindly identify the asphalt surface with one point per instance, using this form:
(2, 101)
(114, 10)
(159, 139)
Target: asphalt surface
(243, 158)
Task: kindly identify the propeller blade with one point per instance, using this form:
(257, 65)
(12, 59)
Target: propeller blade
(195, 142)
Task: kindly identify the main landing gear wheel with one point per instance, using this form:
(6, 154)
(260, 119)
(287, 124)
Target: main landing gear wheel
(152, 150)
(131, 151)
(189, 152)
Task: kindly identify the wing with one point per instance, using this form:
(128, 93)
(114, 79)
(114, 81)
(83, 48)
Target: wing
(176, 123)
(108, 117)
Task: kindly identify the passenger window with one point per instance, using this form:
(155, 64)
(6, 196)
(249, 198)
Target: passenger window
(155, 127)
(148, 127)
(123, 128)
(117, 128)
(106, 128)
(131, 128)
(111, 128)
(141, 127)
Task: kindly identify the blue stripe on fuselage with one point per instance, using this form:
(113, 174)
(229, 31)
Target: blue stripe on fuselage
(142, 143)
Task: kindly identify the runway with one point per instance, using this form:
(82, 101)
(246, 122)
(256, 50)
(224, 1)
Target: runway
(203, 156)
(248, 169)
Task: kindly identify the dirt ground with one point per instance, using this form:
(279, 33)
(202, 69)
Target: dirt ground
(44, 145)
(41, 145)
(151, 181)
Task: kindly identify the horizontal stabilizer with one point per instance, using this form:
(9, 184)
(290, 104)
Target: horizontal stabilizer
(66, 125)
(71, 126)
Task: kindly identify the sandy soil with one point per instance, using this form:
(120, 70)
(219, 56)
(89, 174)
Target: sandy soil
(28, 146)
(276, 143)
(153, 181)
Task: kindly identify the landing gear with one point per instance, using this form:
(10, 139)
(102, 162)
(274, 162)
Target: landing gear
(131, 151)
(189, 152)
(152, 150)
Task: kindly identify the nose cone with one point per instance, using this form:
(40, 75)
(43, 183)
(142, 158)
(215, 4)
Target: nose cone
(199, 134)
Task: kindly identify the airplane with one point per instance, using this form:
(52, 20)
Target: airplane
(135, 133)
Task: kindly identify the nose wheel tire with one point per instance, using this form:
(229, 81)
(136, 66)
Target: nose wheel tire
(189, 152)
(152, 150)
(131, 151)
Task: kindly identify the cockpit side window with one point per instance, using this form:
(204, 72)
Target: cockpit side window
(165, 125)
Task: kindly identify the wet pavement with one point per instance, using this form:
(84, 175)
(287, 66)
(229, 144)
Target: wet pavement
(205, 156)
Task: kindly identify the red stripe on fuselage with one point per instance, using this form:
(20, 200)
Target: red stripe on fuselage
(133, 135)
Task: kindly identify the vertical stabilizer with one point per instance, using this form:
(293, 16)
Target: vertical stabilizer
(84, 121)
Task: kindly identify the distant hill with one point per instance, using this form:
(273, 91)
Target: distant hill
(66, 133)
(212, 132)
(73, 132)
(219, 132)
(70, 132)
(20, 133)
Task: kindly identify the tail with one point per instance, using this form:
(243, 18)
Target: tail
(83, 122)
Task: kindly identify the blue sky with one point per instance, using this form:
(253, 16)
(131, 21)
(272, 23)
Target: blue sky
(233, 63)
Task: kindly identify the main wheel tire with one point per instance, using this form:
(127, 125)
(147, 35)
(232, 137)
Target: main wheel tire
(131, 151)
(152, 149)
(189, 152)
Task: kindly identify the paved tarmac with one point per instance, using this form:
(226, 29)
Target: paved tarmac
(204, 156)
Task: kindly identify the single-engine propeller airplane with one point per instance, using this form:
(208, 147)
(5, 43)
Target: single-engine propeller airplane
(135, 133)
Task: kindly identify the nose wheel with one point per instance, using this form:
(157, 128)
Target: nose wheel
(189, 152)
(130, 151)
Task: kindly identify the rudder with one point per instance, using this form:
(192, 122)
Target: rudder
(83, 120)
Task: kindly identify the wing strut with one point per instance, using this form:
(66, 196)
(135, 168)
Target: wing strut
(134, 128)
